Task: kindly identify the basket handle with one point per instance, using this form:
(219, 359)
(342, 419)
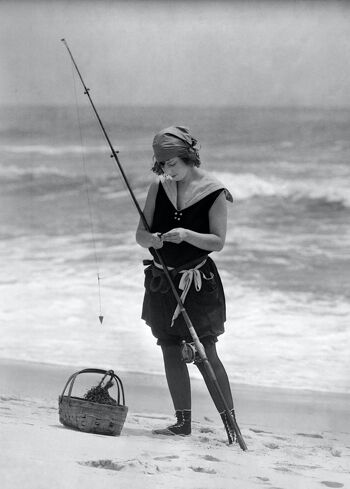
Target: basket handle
(119, 384)
(72, 378)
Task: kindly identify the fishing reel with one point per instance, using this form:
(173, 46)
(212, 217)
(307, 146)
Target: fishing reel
(189, 353)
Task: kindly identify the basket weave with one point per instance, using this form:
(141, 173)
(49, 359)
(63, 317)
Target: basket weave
(93, 417)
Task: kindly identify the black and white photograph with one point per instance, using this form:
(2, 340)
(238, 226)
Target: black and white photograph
(174, 244)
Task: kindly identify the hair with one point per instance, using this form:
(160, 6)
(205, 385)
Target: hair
(192, 159)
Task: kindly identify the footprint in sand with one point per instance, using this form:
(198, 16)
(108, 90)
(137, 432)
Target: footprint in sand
(133, 464)
(208, 419)
(335, 452)
(260, 431)
(167, 457)
(310, 435)
(282, 469)
(210, 458)
(103, 464)
(301, 466)
(203, 470)
(204, 439)
(332, 484)
(271, 445)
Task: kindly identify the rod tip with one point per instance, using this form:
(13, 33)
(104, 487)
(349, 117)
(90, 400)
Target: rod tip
(63, 39)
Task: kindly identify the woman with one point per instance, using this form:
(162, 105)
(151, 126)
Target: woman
(187, 215)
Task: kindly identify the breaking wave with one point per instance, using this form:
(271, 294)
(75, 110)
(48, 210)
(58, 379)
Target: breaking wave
(43, 180)
(244, 186)
(14, 178)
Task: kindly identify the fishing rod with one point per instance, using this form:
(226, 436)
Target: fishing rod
(232, 423)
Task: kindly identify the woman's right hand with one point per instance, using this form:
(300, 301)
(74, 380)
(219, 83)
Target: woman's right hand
(156, 241)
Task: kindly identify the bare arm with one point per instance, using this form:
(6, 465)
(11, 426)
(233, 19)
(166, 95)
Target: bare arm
(143, 237)
(213, 241)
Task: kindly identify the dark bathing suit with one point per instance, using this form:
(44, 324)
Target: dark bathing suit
(206, 307)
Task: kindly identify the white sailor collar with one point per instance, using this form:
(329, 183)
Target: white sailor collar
(204, 186)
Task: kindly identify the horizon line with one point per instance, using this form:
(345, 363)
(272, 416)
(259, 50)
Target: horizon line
(180, 106)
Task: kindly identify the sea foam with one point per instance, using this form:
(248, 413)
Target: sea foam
(244, 186)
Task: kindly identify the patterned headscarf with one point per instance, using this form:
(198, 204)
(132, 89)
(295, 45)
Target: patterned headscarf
(174, 141)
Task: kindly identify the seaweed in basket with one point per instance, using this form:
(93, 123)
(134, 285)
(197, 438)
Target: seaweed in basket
(100, 394)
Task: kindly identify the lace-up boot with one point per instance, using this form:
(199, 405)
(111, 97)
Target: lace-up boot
(231, 435)
(182, 426)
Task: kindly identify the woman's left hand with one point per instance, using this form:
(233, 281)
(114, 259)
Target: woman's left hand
(176, 235)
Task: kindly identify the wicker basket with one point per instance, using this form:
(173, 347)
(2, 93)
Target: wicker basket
(93, 417)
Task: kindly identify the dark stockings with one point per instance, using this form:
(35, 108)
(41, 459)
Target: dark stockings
(221, 377)
(177, 377)
(179, 381)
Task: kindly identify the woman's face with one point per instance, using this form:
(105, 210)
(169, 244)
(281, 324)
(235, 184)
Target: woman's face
(176, 168)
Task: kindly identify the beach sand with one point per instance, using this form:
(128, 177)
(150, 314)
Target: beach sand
(296, 439)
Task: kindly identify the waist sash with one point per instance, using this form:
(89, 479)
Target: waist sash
(190, 273)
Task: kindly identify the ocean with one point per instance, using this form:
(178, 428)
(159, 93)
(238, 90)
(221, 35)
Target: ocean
(66, 218)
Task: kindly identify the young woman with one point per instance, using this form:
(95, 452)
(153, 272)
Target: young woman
(187, 215)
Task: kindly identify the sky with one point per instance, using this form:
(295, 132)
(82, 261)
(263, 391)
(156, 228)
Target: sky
(219, 53)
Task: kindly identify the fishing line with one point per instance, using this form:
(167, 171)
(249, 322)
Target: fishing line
(230, 422)
(91, 220)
